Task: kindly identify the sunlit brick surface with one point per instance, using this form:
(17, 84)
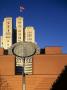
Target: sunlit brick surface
(53, 50)
(45, 70)
(49, 64)
(39, 82)
(11, 82)
(7, 65)
(1, 51)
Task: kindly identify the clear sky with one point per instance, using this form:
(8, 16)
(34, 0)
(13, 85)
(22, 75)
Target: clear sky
(49, 18)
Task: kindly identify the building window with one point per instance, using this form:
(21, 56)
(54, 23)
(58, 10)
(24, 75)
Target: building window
(8, 30)
(19, 26)
(8, 26)
(19, 22)
(29, 38)
(19, 37)
(19, 33)
(2, 43)
(29, 34)
(7, 40)
(7, 44)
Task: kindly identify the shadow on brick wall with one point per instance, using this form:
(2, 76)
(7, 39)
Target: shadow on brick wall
(61, 81)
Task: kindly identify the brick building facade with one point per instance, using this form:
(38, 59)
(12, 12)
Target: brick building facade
(46, 68)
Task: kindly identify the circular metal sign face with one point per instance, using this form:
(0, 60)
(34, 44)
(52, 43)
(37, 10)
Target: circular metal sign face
(24, 49)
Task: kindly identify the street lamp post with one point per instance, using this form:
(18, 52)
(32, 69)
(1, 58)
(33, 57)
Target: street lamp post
(24, 50)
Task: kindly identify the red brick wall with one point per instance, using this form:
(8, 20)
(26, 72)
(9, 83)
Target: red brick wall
(39, 82)
(11, 82)
(49, 64)
(7, 65)
(53, 50)
(1, 51)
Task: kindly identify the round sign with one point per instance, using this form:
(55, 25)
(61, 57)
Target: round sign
(24, 49)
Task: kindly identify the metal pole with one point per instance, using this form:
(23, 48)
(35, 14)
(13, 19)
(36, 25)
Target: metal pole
(23, 79)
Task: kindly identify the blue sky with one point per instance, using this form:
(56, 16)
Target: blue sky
(49, 18)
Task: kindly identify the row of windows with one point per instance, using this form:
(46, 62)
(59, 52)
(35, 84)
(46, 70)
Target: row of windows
(19, 22)
(27, 60)
(20, 26)
(19, 33)
(7, 44)
(29, 39)
(19, 37)
(29, 35)
(7, 41)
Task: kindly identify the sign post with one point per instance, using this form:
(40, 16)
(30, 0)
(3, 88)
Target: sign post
(24, 50)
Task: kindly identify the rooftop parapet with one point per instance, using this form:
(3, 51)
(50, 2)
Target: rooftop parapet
(53, 50)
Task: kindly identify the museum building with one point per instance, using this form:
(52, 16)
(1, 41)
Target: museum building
(46, 67)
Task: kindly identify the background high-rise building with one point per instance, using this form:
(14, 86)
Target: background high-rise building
(30, 34)
(11, 36)
(19, 27)
(6, 39)
(19, 37)
(29, 37)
